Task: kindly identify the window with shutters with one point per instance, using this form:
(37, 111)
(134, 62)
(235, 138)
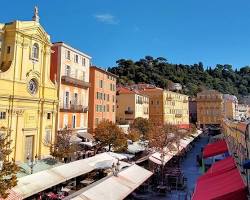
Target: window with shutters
(2, 115)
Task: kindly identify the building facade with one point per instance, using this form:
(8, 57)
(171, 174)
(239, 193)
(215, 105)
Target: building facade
(176, 110)
(192, 104)
(243, 111)
(210, 107)
(102, 97)
(230, 103)
(70, 70)
(130, 104)
(166, 106)
(175, 86)
(28, 98)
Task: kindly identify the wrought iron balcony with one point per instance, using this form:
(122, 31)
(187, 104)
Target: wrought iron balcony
(169, 98)
(68, 80)
(139, 102)
(129, 112)
(74, 108)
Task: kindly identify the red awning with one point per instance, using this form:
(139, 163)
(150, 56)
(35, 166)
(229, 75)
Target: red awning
(221, 182)
(184, 126)
(219, 167)
(222, 165)
(215, 148)
(224, 186)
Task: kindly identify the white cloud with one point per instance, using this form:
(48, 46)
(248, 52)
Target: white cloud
(106, 18)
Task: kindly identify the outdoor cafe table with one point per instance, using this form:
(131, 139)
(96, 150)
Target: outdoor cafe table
(65, 189)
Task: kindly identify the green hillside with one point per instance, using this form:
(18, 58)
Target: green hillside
(194, 77)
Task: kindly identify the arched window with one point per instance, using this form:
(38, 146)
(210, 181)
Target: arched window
(35, 51)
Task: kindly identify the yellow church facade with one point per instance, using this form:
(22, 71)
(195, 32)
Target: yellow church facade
(28, 98)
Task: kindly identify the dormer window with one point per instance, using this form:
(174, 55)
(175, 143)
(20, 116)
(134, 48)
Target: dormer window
(35, 51)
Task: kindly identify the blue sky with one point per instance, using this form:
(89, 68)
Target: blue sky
(183, 31)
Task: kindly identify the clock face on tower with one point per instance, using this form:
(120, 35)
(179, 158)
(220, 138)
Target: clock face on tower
(32, 86)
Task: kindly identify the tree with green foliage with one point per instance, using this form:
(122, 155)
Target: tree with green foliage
(194, 78)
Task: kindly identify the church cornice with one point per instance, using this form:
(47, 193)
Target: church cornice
(28, 99)
(20, 28)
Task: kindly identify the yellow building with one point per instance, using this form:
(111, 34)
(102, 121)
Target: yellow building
(209, 107)
(237, 136)
(176, 109)
(131, 104)
(28, 98)
(166, 106)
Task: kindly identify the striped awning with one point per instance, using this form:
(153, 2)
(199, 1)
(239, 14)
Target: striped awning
(13, 196)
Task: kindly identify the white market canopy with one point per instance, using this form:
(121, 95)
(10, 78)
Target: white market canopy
(85, 134)
(156, 157)
(136, 147)
(186, 141)
(197, 133)
(117, 187)
(35, 183)
(75, 139)
(117, 155)
(89, 144)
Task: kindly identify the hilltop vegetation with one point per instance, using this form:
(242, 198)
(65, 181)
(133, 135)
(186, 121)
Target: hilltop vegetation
(194, 77)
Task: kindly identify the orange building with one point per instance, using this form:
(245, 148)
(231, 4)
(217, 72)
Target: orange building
(70, 70)
(102, 97)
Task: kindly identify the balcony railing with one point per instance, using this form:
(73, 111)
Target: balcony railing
(129, 112)
(74, 108)
(178, 115)
(139, 102)
(68, 80)
(169, 98)
(185, 101)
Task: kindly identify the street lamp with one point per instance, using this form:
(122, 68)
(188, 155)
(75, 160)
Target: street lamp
(32, 162)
